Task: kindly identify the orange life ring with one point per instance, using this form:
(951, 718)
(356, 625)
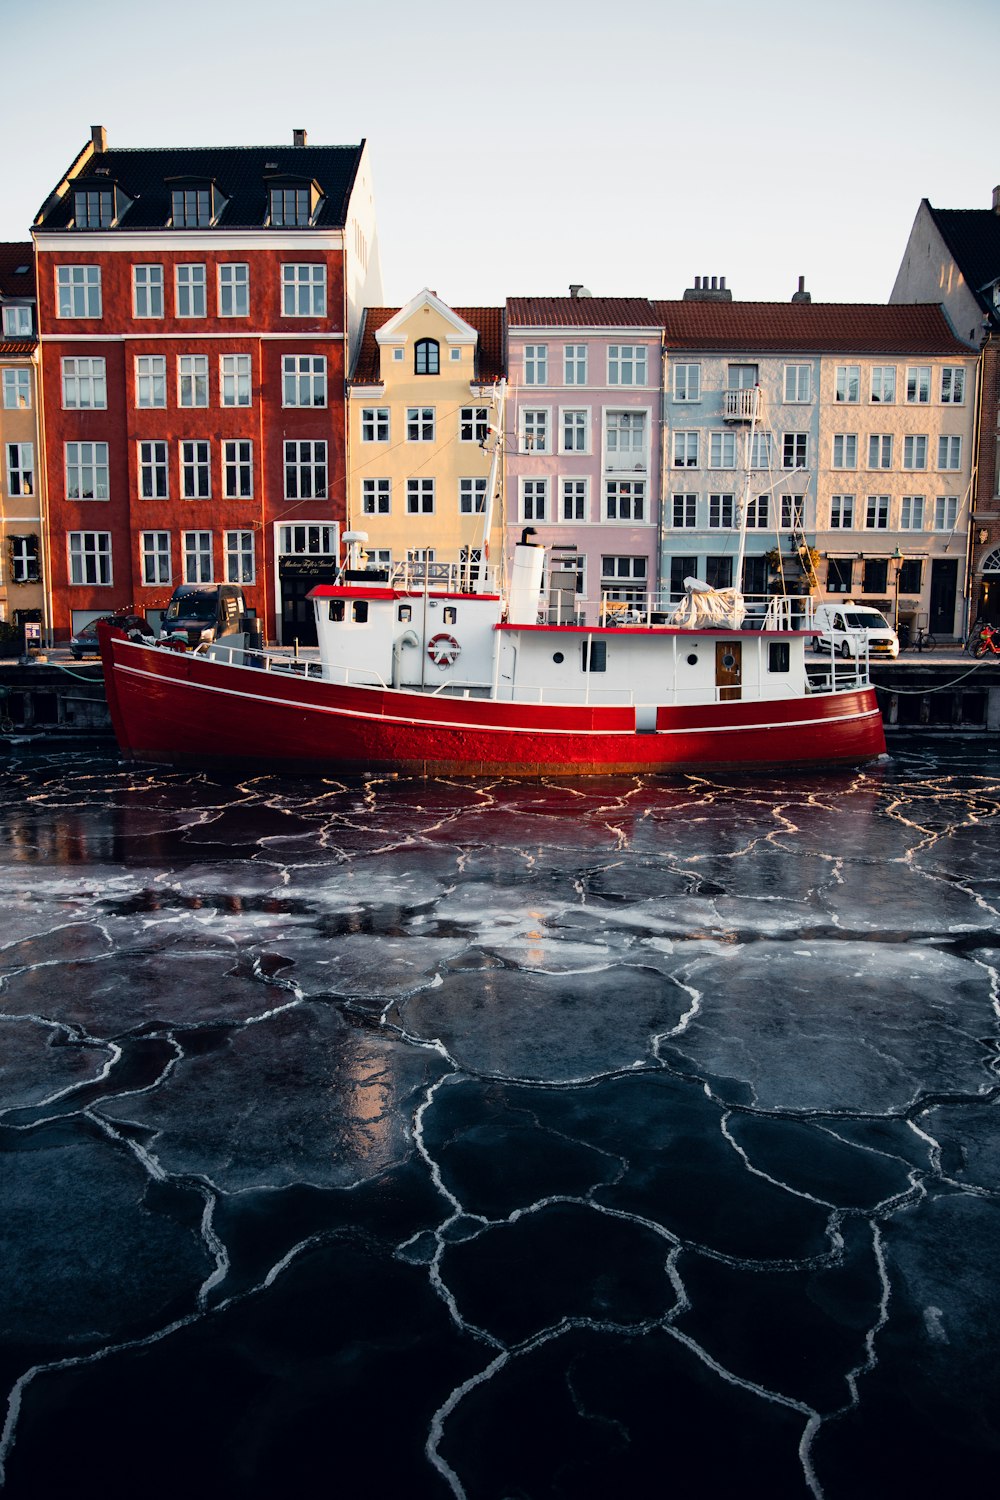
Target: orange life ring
(443, 650)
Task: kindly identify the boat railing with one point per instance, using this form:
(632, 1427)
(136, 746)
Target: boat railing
(466, 577)
(763, 611)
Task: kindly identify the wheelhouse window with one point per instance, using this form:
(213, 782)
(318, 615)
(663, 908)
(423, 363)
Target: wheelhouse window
(779, 656)
(427, 357)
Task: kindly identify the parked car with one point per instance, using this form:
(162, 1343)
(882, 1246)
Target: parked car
(201, 613)
(850, 629)
(84, 643)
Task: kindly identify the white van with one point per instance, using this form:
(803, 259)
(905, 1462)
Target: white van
(850, 629)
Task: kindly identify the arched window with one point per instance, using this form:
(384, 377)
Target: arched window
(427, 357)
(991, 564)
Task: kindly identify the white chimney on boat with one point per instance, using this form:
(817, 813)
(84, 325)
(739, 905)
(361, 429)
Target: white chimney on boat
(526, 580)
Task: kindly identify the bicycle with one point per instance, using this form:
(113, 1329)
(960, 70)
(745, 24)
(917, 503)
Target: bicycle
(984, 640)
(921, 640)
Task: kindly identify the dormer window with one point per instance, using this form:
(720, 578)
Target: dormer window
(292, 203)
(17, 321)
(427, 357)
(195, 205)
(98, 207)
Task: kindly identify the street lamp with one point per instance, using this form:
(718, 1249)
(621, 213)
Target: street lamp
(897, 558)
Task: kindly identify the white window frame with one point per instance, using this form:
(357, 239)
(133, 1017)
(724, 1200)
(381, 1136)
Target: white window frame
(877, 512)
(192, 380)
(235, 380)
(628, 365)
(534, 499)
(536, 364)
(154, 558)
(16, 321)
(421, 496)
(472, 496)
(792, 445)
(89, 558)
(684, 511)
(86, 467)
(684, 452)
(150, 381)
(473, 424)
(721, 449)
(842, 512)
(883, 380)
(84, 384)
(375, 426)
(687, 383)
(239, 549)
(421, 424)
(625, 502)
(304, 463)
(303, 290)
(574, 499)
(17, 389)
(191, 290)
(303, 378)
(536, 429)
(147, 291)
(237, 469)
(792, 512)
(880, 447)
(912, 511)
(845, 450)
(574, 364)
(798, 384)
(195, 469)
(945, 512)
(199, 564)
(153, 467)
(847, 385)
(574, 422)
(20, 469)
(915, 451)
(626, 438)
(952, 385)
(78, 292)
(918, 385)
(758, 512)
(234, 289)
(949, 452)
(376, 497)
(721, 511)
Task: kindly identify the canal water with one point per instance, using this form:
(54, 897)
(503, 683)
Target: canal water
(425, 1138)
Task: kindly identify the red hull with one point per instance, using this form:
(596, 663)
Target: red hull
(189, 710)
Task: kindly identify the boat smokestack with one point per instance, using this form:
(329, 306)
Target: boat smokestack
(526, 580)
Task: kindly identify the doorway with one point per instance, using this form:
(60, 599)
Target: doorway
(944, 588)
(729, 669)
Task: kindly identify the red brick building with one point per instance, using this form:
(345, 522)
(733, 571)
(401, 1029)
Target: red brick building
(193, 309)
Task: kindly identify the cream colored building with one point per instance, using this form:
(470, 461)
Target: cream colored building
(425, 423)
(22, 535)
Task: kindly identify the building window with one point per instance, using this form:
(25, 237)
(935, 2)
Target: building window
(945, 512)
(684, 511)
(742, 377)
(949, 453)
(196, 472)
(191, 207)
(722, 450)
(84, 383)
(474, 424)
(911, 516)
(842, 513)
(303, 380)
(192, 380)
(154, 552)
(308, 540)
(624, 578)
(757, 513)
(20, 469)
(760, 452)
(471, 496)
(240, 553)
(687, 382)
(89, 557)
(426, 357)
(17, 389)
(845, 450)
(575, 432)
(798, 383)
(420, 497)
(847, 386)
(952, 385)
(374, 424)
(86, 471)
(625, 500)
(24, 561)
(17, 321)
(153, 480)
(94, 208)
(884, 384)
(574, 364)
(627, 364)
(875, 578)
(625, 435)
(147, 291)
(791, 512)
(839, 575)
(305, 471)
(794, 448)
(191, 294)
(198, 557)
(915, 452)
(234, 290)
(234, 379)
(877, 513)
(536, 364)
(534, 431)
(720, 511)
(918, 385)
(237, 469)
(420, 424)
(291, 207)
(534, 499)
(78, 291)
(303, 291)
(685, 450)
(375, 497)
(150, 380)
(574, 500)
(880, 450)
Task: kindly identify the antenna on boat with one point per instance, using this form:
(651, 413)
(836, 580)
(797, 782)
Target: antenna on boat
(499, 397)
(745, 497)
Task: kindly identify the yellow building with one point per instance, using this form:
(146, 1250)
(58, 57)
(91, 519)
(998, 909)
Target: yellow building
(21, 531)
(425, 420)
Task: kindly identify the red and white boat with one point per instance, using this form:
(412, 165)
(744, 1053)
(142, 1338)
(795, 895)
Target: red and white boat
(427, 677)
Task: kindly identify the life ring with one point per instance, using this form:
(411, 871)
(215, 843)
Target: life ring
(443, 650)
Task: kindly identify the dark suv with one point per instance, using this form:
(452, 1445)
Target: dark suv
(84, 643)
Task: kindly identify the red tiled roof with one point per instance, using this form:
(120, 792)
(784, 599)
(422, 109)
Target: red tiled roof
(581, 312)
(809, 327)
(17, 348)
(487, 321)
(13, 281)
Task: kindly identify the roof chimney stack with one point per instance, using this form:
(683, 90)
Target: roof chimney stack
(802, 295)
(708, 289)
(99, 136)
(298, 138)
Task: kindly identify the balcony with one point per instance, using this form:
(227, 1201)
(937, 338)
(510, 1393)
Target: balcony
(741, 406)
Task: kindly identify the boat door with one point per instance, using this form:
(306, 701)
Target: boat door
(729, 669)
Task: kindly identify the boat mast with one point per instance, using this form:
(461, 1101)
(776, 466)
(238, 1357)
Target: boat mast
(745, 497)
(499, 400)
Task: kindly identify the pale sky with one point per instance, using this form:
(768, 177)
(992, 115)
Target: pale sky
(519, 147)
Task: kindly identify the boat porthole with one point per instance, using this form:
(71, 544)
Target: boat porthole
(729, 661)
(558, 657)
(692, 660)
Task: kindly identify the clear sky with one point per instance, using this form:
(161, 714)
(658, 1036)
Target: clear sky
(519, 147)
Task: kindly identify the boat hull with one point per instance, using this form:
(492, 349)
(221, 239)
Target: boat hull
(189, 710)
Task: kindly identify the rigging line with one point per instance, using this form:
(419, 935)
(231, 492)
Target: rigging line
(926, 692)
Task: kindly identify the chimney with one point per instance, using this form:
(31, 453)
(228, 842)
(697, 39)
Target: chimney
(575, 288)
(298, 138)
(802, 295)
(99, 136)
(708, 289)
(996, 200)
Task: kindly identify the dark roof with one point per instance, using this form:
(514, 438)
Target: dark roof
(808, 327)
(581, 312)
(488, 322)
(973, 237)
(17, 268)
(240, 172)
